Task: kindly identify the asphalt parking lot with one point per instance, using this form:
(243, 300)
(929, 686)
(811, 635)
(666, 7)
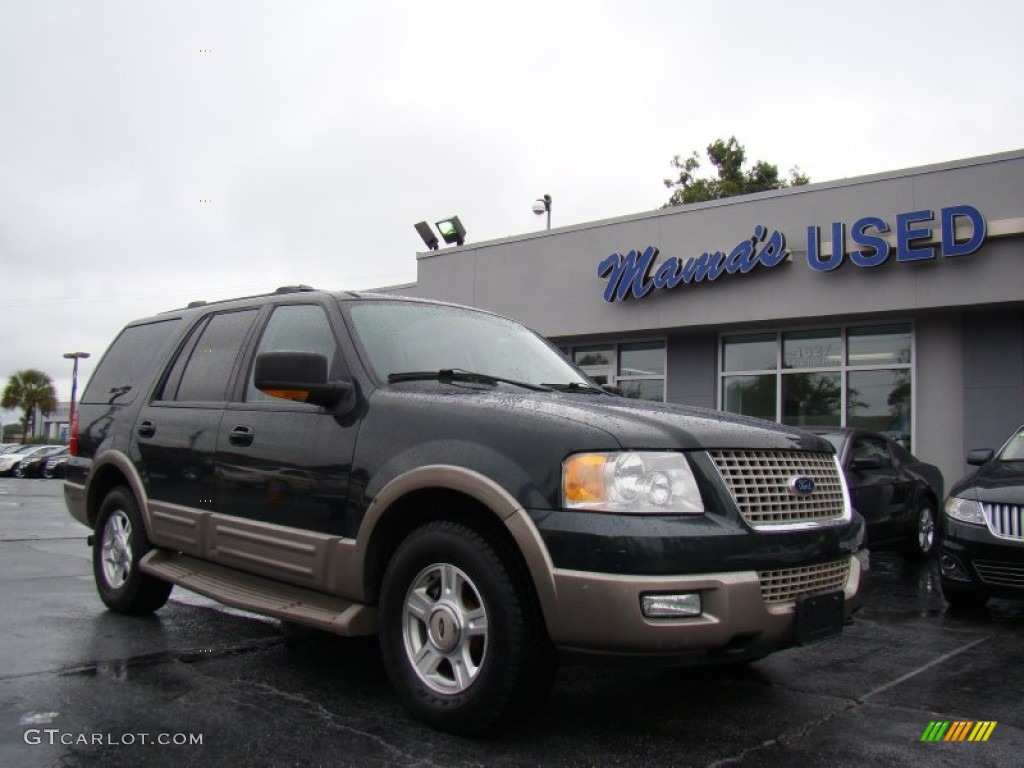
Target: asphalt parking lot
(83, 687)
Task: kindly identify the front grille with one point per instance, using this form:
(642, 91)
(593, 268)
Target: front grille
(1005, 520)
(760, 484)
(1000, 574)
(781, 585)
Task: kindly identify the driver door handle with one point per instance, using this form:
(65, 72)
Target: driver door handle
(241, 434)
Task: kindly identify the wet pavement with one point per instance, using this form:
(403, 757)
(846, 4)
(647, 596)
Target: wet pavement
(83, 687)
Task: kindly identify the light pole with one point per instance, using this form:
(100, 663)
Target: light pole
(543, 205)
(76, 356)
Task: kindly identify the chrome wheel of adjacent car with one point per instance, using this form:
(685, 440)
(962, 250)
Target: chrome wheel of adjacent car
(925, 529)
(921, 543)
(445, 628)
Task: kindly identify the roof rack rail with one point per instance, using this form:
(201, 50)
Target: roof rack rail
(295, 289)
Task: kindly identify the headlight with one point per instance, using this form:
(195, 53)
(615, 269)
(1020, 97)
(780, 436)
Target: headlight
(965, 510)
(632, 481)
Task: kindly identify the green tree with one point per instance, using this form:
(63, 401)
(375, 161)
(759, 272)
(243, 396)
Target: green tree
(728, 158)
(28, 390)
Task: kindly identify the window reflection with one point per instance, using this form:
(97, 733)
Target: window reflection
(752, 352)
(880, 401)
(879, 345)
(750, 395)
(812, 399)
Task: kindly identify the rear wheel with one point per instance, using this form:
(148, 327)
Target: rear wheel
(120, 544)
(461, 632)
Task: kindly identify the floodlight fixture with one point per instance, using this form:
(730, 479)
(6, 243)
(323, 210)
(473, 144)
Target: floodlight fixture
(427, 234)
(451, 230)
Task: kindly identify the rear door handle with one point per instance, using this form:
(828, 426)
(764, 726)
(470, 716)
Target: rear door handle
(147, 429)
(241, 434)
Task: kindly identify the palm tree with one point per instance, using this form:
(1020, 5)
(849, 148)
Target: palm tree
(30, 389)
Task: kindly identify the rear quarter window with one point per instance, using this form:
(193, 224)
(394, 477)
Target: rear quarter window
(130, 363)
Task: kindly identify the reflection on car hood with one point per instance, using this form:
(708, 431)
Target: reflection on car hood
(633, 423)
(998, 482)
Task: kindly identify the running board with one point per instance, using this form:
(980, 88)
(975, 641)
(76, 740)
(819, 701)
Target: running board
(260, 595)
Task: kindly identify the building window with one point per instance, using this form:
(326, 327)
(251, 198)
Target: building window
(858, 376)
(638, 368)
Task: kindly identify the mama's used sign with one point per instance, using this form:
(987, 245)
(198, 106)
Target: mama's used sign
(637, 274)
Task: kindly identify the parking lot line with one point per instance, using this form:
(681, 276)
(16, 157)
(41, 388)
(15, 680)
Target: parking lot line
(919, 670)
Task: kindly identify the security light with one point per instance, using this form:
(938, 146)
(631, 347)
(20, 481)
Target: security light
(427, 234)
(451, 230)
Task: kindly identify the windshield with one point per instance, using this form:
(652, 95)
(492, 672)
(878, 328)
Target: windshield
(403, 337)
(1014, 448)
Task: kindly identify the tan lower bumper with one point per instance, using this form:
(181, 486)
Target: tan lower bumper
(601, 612)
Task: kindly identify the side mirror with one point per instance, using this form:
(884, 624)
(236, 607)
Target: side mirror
(299, 376)
(980, 456)
(862, 463)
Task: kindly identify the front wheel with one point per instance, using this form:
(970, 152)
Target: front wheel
(461, 632)
(121, 541)
(921, 543)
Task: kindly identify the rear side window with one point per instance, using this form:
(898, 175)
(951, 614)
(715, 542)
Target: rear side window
(129, 363)
(203, 368)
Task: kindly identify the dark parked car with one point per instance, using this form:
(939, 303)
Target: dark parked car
(897, 493)
(56, 465)
(34, 465)
(981, 551)
(443, 477)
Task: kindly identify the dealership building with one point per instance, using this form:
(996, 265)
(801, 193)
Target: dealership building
(893, 302)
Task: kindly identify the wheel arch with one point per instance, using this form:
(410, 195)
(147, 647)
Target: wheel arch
(109, 472)
(443, 492)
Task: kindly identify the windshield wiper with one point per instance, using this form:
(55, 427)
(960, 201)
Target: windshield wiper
(575, 386)
(458, 374)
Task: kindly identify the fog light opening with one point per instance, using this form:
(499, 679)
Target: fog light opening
(952, 569)
(685, 605)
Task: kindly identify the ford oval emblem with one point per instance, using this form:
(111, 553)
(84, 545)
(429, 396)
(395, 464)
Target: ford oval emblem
(802, 485)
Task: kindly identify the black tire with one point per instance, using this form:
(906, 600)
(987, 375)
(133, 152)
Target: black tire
(922, 541)
(962, 598)
(485, 658)
(121, 542)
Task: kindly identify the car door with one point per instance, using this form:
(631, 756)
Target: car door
(875, 486)
(282, 464)
(176, 432)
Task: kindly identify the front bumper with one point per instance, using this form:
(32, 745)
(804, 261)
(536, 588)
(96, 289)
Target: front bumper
(970, 557)
(601, 613)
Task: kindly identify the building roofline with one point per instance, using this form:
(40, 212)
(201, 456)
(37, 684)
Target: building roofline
(1000, 157)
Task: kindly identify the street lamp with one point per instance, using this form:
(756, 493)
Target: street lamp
(541, 206)
(76, 356)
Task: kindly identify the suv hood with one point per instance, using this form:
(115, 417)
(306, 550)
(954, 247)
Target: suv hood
(637, 424)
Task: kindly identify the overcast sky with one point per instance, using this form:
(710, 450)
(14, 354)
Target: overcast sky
(322, 131)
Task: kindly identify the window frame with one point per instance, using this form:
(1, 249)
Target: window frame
(844, 368)
(611, 369)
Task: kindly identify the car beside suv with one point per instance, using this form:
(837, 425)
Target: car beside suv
(895, 492)
(981, 553)
(445, 478)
